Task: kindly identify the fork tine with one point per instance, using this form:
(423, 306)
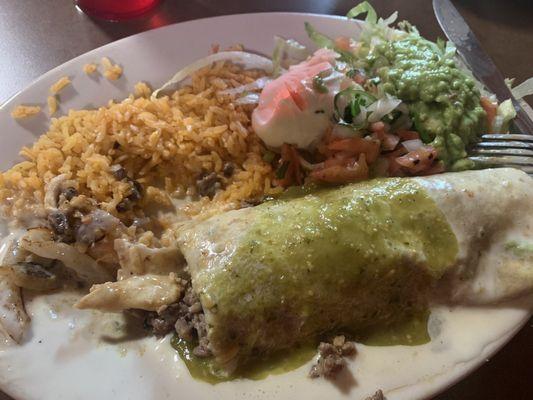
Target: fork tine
(507, 136)
(504, 160)
(507, 144)
(502, 152)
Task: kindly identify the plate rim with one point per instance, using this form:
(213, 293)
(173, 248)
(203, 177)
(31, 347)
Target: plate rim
(494, 347)
(45, 75)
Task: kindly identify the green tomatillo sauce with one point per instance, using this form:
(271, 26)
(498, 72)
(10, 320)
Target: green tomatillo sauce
(409, 332)
(348, 259)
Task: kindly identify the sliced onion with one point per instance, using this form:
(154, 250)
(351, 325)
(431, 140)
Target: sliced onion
(360, 119)
(248, 60)
(307, 165)
(382, 107)
(287, 52)
(251, 98)
(344, 131)
(412, 145)
(255, 85)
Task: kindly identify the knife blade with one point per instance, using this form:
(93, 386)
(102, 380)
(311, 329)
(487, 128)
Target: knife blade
(470, 50)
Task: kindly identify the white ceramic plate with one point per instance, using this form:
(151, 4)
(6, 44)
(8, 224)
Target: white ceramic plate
(63, 356)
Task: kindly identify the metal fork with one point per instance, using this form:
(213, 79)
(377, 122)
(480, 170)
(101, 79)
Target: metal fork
(504, 150)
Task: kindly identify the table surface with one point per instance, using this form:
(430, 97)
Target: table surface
(40, 35)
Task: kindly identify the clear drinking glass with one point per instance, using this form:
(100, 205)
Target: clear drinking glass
(116, 9)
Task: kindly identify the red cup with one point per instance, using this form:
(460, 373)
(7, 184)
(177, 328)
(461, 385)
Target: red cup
(116, 10)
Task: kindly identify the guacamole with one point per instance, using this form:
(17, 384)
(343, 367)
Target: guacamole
(443, 101)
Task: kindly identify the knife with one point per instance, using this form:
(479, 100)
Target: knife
(481, 65)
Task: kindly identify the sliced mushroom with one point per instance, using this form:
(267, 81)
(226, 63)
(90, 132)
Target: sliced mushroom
(33, 276)
(13, 317)
(97, 224)
(53, 189)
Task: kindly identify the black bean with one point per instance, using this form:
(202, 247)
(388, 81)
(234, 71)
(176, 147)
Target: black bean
(208, 184)
(123, 206)
(58, 222)
(120, 174)
(116, 145)
(70, 193)
(229, 169)
(136, 191)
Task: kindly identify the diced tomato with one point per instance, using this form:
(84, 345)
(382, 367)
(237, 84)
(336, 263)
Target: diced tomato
(356, 146)
(437, 168)
(418, 160)
(354, 171)
(491, 110)
(343, 43)
(359, 79)
(339, 159)
(293, 174)
(408, 135)
(389, 142)
(377, 126)
(395, 169)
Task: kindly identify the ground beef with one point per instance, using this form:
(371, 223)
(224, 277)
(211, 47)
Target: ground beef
(331, 357)
(162, 322)
(376, 396)
(187, 318)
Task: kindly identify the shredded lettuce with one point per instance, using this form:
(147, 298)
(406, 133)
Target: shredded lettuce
(287, 52)
(322, 40)
(523, 90)
(506, 112)
(362, 8)
(318, 38)
(441, 44)
(376, 30)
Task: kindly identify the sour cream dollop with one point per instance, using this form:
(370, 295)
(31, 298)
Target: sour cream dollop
(297, 107)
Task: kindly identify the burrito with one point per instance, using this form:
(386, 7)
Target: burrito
(344, 259)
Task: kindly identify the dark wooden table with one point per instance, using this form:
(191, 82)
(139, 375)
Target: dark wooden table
(39, 35)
